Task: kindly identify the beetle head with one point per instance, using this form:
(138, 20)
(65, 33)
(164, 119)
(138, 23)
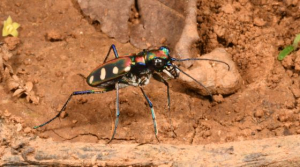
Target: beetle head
(162, 62)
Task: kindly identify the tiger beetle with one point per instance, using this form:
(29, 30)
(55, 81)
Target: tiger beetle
(133, 70)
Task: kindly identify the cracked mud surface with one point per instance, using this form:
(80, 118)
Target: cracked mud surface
(58, 43)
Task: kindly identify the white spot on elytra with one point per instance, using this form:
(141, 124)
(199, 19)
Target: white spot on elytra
(115, 70)
(102, 74)
(91, 79)
(127, 69)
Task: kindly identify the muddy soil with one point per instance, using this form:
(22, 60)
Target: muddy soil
(57, 45)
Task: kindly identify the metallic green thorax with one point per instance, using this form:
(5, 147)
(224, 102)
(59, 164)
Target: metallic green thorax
(162, 53)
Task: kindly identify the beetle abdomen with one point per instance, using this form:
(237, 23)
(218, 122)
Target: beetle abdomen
(108, 71)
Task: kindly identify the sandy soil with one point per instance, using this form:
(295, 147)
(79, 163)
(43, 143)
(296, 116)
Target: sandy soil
(56, 43)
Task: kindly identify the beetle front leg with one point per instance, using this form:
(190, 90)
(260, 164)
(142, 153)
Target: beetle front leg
(159, 78)
(152, 112)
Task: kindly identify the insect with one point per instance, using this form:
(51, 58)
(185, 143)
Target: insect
(133, 70)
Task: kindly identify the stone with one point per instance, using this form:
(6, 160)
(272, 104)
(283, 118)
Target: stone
(215, 76)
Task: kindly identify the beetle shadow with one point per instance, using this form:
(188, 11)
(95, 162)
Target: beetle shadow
(179, 87)
(91, 117)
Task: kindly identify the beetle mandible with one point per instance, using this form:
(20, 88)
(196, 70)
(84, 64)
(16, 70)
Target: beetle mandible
(133, 70)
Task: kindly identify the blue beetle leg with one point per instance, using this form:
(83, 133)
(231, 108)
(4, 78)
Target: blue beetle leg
(66, 103)
(159, 78)
(117, 113)
(152, 112)
(112, 47)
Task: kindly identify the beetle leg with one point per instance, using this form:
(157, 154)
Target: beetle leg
(152, 112)
(112, 47)
(159, 78)
(70, 97)
(117, 112)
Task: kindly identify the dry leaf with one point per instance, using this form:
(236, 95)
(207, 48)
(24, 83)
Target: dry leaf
(28, 86)
(7, 114)
(12, 84)
(16, 78)
(6, 53)
(33, 98)
(28, 98)
(19, 127)
(18, 92)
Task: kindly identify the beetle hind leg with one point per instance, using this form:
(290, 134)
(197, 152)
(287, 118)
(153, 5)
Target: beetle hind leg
(117, 113)
(159, 78)
(112, 47)
(66, 103)
(152, 112)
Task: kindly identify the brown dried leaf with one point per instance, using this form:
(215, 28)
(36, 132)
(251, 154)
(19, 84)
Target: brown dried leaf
(34, 99)
(31, 97)
(28, 86)
(18, 92)
(1, 61)
(6, 54)
(28, 98)
(6, 113)
(11, 84)
(7, 66)
(16, 78)
(6, 74)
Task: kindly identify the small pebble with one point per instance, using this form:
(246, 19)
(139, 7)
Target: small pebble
(63, 114)
(58, 74)
(148, 45)
(63, 57)
(218, 98)
(53, 36)
(27, 130)
(228, 8)
(163, 40)
(19, 127)
(206, 134)
(6, 113)
(259, 22)
(43, 136)
(259, 113)
(282, 117)
(82, 100)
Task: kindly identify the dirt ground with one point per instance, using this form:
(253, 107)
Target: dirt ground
(56, 43)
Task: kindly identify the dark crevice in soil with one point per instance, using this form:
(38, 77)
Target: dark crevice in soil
(94, 135)
(82, 134)
(135, 16)
(222, 41)
(136, 5)
(91, 134)
(195, 126)
(96, 24)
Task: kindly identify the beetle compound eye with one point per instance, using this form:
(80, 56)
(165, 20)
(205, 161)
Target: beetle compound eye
(158, 63)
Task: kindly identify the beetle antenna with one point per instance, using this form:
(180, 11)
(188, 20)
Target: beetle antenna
(219, 61)
(195, 81)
